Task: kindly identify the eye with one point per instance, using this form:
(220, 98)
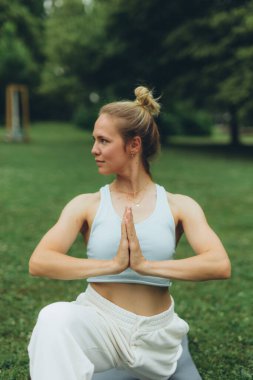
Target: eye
(100, 140)
(103, 141)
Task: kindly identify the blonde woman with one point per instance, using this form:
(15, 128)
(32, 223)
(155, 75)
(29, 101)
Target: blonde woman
(125, 319)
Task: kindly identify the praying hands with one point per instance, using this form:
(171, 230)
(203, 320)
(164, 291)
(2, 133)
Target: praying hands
(129, 253)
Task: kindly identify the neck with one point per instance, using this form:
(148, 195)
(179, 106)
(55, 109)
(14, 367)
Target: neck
(132, 184)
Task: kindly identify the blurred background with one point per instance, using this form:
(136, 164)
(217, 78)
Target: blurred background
(74, 55)
(60, 60)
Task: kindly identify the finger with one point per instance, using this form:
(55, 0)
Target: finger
(131, 215)
(130, 225)
(123, 223)
(123, 230)
(127, 214)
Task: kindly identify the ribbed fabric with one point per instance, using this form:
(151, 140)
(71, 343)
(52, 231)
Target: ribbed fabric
(156, 236)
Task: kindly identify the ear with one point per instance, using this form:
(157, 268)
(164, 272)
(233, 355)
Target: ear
(134, 145)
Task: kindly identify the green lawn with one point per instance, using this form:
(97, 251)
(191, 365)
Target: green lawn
(36, 181)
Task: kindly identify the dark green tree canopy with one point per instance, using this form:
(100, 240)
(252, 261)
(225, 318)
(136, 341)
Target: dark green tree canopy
(21, 41)
(198, 52)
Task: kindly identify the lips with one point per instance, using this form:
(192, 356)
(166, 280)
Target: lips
(98, 162)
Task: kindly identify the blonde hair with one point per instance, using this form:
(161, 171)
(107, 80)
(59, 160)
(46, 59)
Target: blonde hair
(139, 121)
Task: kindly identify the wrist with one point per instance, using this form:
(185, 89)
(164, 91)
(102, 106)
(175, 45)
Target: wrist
(143, 267)
(116, 266)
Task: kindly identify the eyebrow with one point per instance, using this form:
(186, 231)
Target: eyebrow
(100, 137)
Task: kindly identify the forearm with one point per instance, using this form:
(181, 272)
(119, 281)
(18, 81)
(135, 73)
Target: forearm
(55, 265)
(206, 266)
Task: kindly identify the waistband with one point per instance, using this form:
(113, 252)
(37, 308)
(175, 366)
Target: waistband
(128, 318)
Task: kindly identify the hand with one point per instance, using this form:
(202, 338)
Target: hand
(137, 260)
(122, 259)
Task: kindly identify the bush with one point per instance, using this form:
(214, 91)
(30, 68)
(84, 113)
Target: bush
(85, 116)
(182, 119)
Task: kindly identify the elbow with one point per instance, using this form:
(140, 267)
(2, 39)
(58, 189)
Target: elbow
(34, 267)
(225, 269)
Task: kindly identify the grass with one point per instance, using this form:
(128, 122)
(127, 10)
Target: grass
(36, 181)
(220, 135)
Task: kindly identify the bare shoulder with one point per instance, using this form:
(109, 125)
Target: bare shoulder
(183, 206)
(81, 205)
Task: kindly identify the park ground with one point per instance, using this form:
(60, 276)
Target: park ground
(38, 178)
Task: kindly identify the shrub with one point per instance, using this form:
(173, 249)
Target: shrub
(85, 116)
(183, 119)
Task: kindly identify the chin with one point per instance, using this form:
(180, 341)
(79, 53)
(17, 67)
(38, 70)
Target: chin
(103, 171)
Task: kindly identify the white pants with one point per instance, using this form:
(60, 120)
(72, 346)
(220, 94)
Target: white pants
(72, 340)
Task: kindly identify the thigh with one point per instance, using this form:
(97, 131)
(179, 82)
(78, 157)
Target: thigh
(78, 329)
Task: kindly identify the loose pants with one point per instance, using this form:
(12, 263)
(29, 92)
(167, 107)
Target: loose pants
(72, 340)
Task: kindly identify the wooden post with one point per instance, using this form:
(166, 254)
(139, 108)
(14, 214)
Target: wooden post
(17, 113)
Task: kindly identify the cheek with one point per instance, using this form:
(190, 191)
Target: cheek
(116, 153)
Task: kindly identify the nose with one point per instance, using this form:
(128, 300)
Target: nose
(94, 150)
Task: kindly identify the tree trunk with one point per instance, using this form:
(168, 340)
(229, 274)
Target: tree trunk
(234, 127)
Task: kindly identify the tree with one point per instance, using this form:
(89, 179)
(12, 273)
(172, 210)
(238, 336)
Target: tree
(21, 36)
(217, 52)
(75, 47)
(108, 48)
(198, 51)
(16, 64)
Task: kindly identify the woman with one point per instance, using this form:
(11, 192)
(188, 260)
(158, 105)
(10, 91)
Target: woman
(125, 319)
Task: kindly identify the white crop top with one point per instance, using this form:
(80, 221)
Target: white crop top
(156, 236)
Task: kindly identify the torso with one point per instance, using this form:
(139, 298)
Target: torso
(140, 299)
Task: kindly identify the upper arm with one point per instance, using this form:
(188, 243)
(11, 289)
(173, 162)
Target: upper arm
(198, 233)
(62, 235)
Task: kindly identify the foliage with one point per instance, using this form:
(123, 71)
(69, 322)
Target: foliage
(199, 52)
(217, 51)
(75, 45)
(59, 166)
(85, 117)
(20, 32)
(16, 64)
(183, 119)
(21, 39)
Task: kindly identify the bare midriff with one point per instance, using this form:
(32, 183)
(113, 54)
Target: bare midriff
(145, 300)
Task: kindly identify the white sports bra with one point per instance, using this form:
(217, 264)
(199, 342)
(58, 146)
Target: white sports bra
(156, 234)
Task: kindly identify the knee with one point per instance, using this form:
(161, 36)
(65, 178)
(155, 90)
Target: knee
(56, 315)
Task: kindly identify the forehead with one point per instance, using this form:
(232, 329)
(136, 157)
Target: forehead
(107, 125)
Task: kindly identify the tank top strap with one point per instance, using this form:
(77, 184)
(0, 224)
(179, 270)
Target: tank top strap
(163, 207)
(103, 212)
(105, 193)
(105, 200)
(104, 204)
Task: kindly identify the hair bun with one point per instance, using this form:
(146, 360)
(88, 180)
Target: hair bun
(144, 98)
